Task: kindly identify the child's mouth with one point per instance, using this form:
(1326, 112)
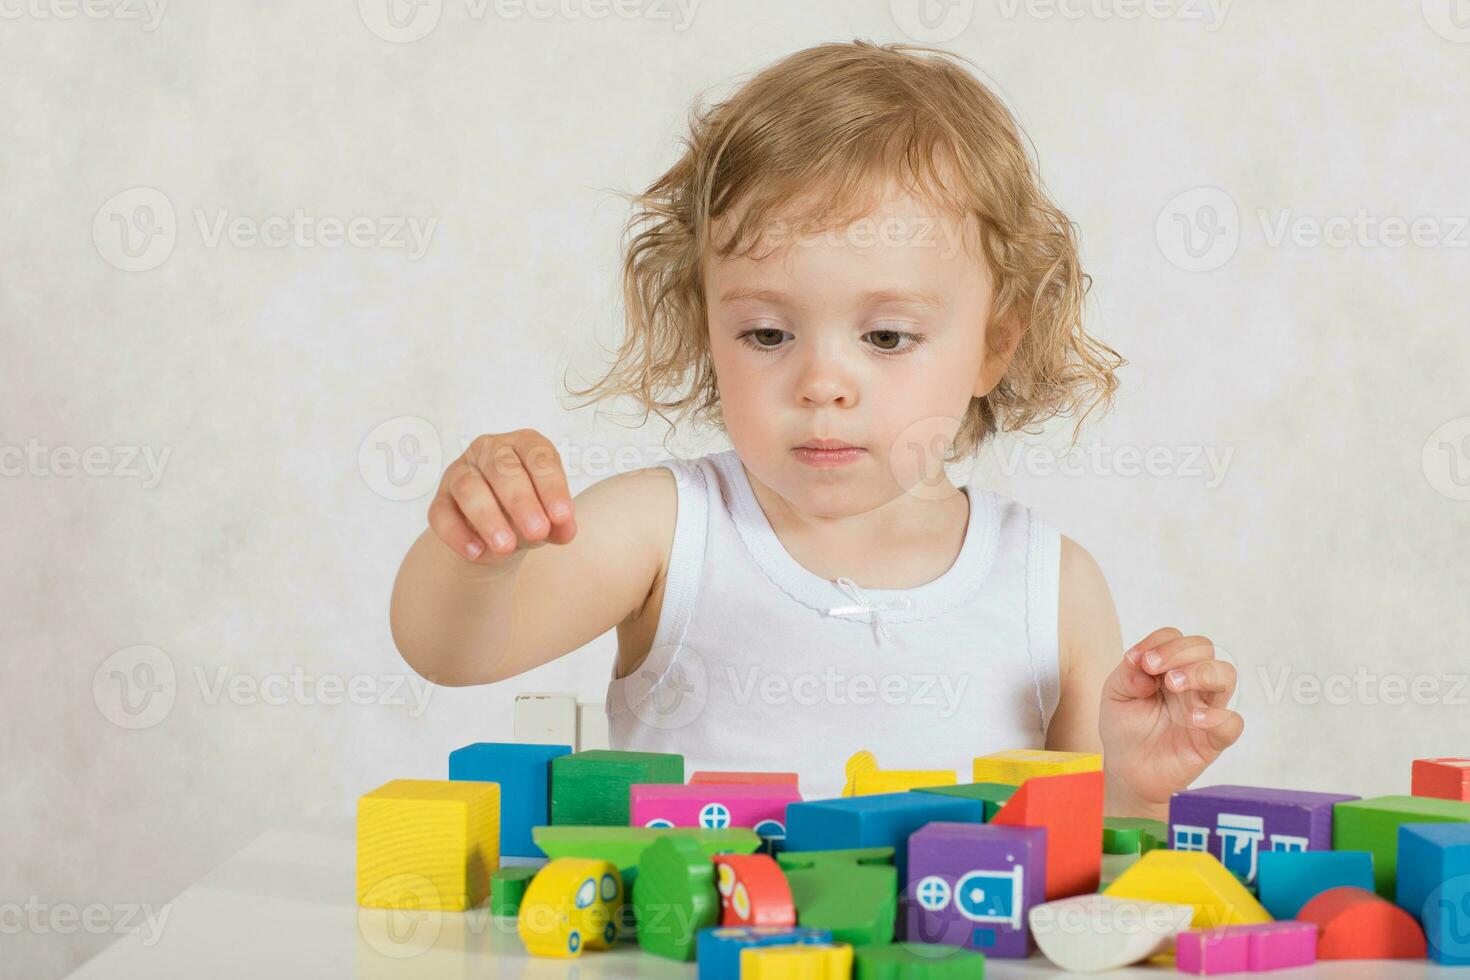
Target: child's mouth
(814, 456)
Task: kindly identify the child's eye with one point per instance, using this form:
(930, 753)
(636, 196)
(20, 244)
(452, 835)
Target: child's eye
(762, 338)
(884, 338)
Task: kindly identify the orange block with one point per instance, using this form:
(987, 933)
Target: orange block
(1070, 807)
(753, 891)
(745, 778)
(1356, 924)
(1444, 779)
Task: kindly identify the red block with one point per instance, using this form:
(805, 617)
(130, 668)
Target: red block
(745, 778)
(1070, 808)
(753, 891)
(1444, 779)
(1356, 924)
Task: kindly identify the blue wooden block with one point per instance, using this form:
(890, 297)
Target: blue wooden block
(1290, 879)
(718, 949)
(880, 820)
(1434, 886)
(524, 774)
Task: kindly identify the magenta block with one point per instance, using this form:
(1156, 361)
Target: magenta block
(1253, 948)
(973, 885)
(713, 805)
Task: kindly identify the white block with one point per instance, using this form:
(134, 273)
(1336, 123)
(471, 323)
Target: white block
(1088, 933)
(546, 719)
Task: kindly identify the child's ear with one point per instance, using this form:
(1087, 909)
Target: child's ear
(1002, 337)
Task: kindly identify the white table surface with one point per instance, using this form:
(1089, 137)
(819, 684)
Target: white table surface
(284, 908)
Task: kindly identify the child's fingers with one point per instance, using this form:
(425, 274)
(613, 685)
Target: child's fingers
(1178, 652)
(1209, 677)
(1129, 681)
(1221, 725)
(479, 508)
(514, 493)
(450, 526)
(1158, 636)
(548, 477)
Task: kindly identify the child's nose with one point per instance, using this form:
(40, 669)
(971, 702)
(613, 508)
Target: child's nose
(824, 382)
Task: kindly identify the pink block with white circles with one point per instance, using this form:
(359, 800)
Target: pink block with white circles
(712, 805)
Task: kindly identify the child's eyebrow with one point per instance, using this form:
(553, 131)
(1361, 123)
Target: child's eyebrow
(922, 298)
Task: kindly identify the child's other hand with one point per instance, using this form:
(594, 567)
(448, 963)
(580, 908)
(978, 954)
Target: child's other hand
(1163, 717)
(507, 493)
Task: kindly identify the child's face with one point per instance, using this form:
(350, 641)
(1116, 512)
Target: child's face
(873, 334)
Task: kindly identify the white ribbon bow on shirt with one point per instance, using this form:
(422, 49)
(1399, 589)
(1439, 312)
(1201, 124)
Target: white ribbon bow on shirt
(862, 605)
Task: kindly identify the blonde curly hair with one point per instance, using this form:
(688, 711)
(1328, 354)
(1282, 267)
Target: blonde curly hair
(832, 124)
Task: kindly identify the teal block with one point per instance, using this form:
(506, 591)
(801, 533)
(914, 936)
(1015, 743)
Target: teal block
(1289, 879)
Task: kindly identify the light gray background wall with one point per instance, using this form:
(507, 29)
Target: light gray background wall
(254, 564)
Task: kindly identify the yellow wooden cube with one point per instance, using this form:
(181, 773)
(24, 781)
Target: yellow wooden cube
(796, 961)
(427, 844)
(1014, 766)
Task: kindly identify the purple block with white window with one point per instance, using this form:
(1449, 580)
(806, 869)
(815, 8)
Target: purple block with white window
(1237, 823)
(972, 885)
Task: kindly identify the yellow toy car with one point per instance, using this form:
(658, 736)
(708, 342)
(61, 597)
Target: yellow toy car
(572, 903)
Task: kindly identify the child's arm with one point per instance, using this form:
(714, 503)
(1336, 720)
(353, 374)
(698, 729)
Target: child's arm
(1130, 708)
(460, 620)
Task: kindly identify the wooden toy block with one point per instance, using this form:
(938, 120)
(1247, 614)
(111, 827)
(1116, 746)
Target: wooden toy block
(1444, 779)
(1133, 835)
(1237, 823)
(797, 961)
(545, 719)
(1373, 825)
(1070, 807)
(591, 788)
(917, 961)
(571, 904)
(712, 805)
(1254, 948)
(993, 795)
(719, 948)
(851, 892)
(524, 775)
(1190, 878)
(674, 898)
(1287, 880)
(1434, 886)
(746, 778)
(881, 820)
(972, 885)
(1090, 933)
(753, 891)
(508, 888)
(427, 844)
(592, 730)
(1015, 766)
(864, 778)
(1357, 924)
(623, 846)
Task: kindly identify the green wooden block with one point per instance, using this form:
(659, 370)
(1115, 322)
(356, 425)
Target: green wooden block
(507, 886)
(1373, 825)
(853, 892)
(591, 788)
(675, 897)
(623, 846)
(993, 795)
(1133, 835)
(917, 961)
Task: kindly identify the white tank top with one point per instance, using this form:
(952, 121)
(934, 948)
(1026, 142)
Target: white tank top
(760, 664)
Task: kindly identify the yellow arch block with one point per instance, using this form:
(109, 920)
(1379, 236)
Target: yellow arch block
(864, 778)
(1190, 878)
